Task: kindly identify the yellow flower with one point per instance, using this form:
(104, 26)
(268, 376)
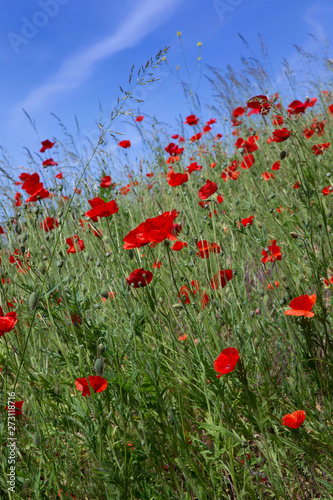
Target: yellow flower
(199, 44)
(177, 68)
(199, 58)
(179, 33)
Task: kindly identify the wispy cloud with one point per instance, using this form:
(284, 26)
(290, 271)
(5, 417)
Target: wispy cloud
(75, 70)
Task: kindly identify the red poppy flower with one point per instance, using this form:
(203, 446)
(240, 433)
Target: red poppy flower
(49, 223)
(157, 264)
(327, 190)
(259, 104)
(18, 197)
(267, 176)
(205, 248)
(217, 137)
(207, 190)
(318, 149)
(192, 120)
(196, 137)
(151, 174)
(178, 245)
(173, 149)
(176, 179)
(75, 318)
(276, 165)
(250, 145)
(297, 107)
(59, 176)
(248, 221)
(301, 306)
(194, 166)
(49, 163)
(226, 361)
(7, 321)
(330, 109)
(238, 112)
(297, 185)
(101, 208)
(294, 420)
(97, 383)
(139, 278)
(248, 161)
(75, 245)
(279, 135)
(206, 129)
(124, 144)
(211, 121)
(277, 120)
(105, 182)
(46, 145)
(18, 408)
(153, 230)
(2, 231)
(221, 278)
(274, 253)
(139, 118)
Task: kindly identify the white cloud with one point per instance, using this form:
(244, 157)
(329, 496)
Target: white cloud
(75, 70)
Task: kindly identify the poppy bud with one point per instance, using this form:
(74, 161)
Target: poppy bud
(42, 268)
(33, 301)
(60, 263)
(166, 243)
(293, 235)
(35, 210)
(23, 238)
(101, 349)
(25, 409)
(329, 214)
(22, 249)
(18, 229)
(37, 438)
(266, 299)
(99, 366)
(131, 254)
(283, 155)
(245, 444)
(329, 229)
(105, 293)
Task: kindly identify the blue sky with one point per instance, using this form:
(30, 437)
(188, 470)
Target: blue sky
(66, 56)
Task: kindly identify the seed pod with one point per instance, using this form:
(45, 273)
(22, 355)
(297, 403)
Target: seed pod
(101, 349)
(42, 267)
(37, 438)
(99, 366)
(33, 301)
(105, 293)
(283, 155)
(293, 235)
(25, 409)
